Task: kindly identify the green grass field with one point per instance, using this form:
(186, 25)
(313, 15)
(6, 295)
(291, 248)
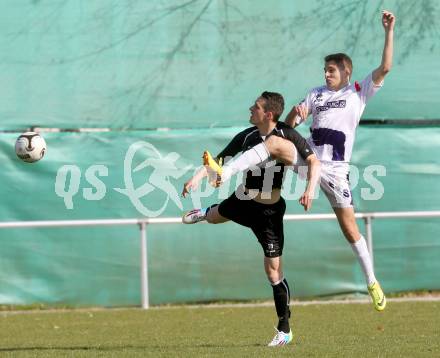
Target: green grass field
(405, 329)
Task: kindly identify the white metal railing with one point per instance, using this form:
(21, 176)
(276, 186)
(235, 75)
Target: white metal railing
(143, 223)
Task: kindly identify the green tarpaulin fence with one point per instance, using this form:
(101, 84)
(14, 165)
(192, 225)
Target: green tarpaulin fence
(189, 70)
(100, 266)
(200, 63)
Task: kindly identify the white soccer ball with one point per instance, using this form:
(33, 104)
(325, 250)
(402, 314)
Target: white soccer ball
(30, 147)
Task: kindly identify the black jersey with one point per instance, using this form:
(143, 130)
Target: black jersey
(251, 137)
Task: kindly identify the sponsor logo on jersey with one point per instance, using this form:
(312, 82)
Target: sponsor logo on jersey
(334, 104)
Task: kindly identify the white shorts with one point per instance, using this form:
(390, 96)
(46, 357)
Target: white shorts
(334, 182)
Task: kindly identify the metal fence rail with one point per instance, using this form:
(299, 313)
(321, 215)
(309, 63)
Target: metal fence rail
(144, 222)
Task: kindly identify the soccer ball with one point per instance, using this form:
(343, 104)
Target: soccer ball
(30, 147)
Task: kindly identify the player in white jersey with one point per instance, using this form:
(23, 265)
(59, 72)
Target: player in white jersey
(336, 112)
(336, 109)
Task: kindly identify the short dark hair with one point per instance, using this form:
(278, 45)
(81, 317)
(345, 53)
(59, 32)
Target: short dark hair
(274, 103)
(341, 60)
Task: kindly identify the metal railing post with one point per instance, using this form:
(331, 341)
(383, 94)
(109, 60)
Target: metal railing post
(369, 233)
(144, 267)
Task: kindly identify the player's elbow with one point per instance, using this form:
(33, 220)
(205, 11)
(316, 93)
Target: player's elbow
(385, 69)
(314, 161)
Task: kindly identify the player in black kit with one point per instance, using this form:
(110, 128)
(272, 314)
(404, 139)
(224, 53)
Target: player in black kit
(258, 204)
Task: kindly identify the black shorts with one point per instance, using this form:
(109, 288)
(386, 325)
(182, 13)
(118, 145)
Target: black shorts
(265, 220)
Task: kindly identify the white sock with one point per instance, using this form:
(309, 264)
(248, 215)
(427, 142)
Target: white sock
(361, 251)
(248, 159)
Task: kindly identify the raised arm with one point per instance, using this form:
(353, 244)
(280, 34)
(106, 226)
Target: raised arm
(194, 182)
(379, 73)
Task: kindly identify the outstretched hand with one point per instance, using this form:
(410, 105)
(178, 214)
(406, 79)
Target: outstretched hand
(194, 182)
(306, 200)
(188, 186)
(388, 20)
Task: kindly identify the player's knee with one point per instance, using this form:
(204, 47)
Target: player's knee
(273, 144)
(280, 149)
(273, 275)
